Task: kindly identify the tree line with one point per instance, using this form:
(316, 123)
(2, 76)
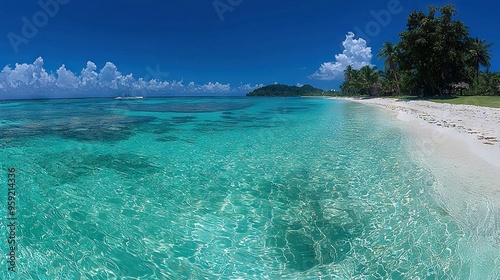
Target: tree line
(434, 57)
(280, 90)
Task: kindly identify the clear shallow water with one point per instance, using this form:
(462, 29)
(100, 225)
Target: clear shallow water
(224, 188)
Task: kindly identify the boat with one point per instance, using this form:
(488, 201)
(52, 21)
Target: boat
(128, 97)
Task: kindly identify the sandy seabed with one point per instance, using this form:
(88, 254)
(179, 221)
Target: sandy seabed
(460, 144)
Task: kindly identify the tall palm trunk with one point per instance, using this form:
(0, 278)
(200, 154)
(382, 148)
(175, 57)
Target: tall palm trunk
(477, 72)
(396, 78)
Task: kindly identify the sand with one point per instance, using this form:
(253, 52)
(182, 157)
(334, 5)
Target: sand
(460, 145)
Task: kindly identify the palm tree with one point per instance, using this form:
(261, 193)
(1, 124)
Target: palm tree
(350, 80)
(388, 84)
(356, 84)
(348, 73)
(479, 54)
(370, 79)
(389, 52)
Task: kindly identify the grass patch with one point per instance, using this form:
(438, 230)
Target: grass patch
(484, 101)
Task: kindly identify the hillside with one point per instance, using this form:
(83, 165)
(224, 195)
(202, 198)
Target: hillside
(287, 91)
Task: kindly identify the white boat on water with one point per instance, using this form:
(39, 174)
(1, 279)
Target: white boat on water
(128, 97)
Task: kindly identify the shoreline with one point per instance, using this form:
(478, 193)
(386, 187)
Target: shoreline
(460, 145)
(478, 127)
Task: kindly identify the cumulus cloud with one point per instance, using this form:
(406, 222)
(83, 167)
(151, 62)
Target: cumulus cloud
(248, 87)
(66, 78)
(216, 87)
(109, 75)
(29, 80)
(356, 53)
(26, 74)
(89, 74)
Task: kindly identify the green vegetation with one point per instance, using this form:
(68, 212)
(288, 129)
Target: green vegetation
(433, 51)
(286, 91)
(365, 81)
(485, 101)
(435, 57)
(389, 52)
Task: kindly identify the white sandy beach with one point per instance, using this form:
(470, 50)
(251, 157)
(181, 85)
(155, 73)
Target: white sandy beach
(460, 144)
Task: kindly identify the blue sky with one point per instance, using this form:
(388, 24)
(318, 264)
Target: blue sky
(202, 47)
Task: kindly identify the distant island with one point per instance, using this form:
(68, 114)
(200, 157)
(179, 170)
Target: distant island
(289, 91)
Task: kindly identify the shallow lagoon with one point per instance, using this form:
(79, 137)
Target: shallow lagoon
(250, 188)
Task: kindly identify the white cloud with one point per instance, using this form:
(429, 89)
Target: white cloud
(355, 53)
(28, 80)
(109, 75)
(66, 78)
(215, 87)
(26, 74)
(248, 87)
(89, 74)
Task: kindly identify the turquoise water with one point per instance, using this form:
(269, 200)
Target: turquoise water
(238, 188)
